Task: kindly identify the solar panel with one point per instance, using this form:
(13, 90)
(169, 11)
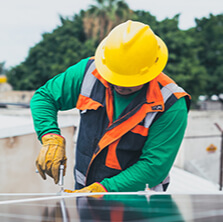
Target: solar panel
(140, 206)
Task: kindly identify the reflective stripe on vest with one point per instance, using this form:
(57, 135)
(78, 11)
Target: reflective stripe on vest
(88, 81)
(166, 91)
(80, 177)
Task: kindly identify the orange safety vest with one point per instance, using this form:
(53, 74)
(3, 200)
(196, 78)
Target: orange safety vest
(105, 148)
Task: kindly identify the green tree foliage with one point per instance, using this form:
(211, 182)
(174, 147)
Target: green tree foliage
(147, 18)
(183, 64)
(195, 55)
(65, 46)
(208, 35)
(2, 68)
(102, 17)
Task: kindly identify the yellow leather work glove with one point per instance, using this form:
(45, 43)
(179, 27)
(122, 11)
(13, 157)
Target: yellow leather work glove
(93, 188)
(51, 156)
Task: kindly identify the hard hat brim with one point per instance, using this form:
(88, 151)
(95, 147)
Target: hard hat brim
(133, 80)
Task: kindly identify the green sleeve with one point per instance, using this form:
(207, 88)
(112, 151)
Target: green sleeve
(158, 153)
(59, 93)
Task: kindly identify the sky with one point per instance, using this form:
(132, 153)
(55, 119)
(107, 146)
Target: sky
(22, 22)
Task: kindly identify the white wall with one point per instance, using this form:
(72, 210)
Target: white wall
(200, 133)
(17, 164)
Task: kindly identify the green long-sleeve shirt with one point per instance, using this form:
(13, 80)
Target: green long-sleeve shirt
(159, 151)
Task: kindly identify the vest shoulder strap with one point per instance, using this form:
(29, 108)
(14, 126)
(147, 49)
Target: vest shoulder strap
(89, 79)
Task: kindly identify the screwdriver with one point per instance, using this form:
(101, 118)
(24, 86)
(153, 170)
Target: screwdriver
(61, 181)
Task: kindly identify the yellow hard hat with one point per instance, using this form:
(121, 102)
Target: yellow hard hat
(131, 55)
(3, 79)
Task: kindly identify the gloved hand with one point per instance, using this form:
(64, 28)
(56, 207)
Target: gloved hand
(93, 188)
(51, 156)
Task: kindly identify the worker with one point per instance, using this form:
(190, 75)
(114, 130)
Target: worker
(132, 116)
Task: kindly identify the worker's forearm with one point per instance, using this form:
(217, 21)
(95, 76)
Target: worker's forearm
(59, 93)
(44, 114)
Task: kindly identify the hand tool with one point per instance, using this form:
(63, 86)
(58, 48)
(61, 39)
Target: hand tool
(61, 180)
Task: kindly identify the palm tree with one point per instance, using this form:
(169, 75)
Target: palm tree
(99, 19)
